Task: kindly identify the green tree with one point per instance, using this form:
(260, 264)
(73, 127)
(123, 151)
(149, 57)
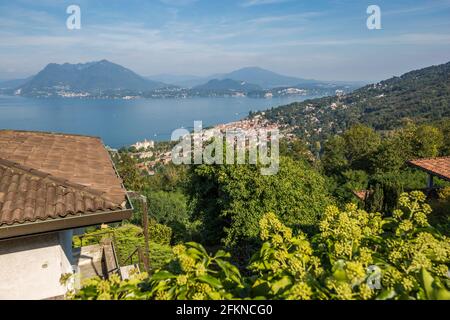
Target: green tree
(297, 149)
(393, 153)
(230, 199)
(334, 158)
(361, 143)
(170, 208)
(427, 141)
(130, 174)
(353, 150)
(168, 178)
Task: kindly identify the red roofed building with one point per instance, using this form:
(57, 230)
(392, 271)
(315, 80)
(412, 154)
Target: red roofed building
(435, 167)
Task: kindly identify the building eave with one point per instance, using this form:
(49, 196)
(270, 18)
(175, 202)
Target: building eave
(61, 224)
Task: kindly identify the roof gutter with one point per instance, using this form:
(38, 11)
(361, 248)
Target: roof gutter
(428, 171)
(66, 223)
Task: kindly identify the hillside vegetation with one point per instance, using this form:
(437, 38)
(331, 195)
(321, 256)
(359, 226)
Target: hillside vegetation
(418, 96)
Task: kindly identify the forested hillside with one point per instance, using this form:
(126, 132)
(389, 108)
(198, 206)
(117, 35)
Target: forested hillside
(421, 96)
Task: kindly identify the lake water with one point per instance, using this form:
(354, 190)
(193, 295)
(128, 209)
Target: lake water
(123, 122)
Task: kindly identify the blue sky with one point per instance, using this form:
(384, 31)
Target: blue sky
(318, 39)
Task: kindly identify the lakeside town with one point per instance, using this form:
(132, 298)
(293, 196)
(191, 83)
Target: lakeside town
(150, 154)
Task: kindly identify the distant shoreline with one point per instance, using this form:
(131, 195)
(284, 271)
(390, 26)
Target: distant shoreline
(123, 122)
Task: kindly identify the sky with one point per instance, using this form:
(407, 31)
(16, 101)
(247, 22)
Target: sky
(324, 40)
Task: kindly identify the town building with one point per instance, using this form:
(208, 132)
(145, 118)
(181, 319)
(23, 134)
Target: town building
(144, 144)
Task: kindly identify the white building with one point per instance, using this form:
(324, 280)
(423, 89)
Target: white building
(144, 144)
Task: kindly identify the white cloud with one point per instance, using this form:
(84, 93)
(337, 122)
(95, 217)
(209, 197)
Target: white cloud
(251, 3)
(178, 2)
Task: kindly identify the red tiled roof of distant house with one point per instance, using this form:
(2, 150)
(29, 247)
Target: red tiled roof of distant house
(362, 194)
(439, 167)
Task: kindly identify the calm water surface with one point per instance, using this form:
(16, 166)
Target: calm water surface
(123, 122)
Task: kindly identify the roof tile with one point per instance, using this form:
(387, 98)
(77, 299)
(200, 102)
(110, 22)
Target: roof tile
(78, 159)
(46, 176)
(436, 166)
(42, 198)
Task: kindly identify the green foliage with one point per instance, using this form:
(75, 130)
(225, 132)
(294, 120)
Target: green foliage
(192, 275)
(427, 141)
(128, 237)
(168, 178)
(356, 255)
(237, 196)
(361, 143)
(297, 149)
(167, 207)
(383, 160)
(334, 158)
(130, 174)
(353, 150)
(385, 191)
(159, 255)
(440, 217)
(195, 275)
(159, 233)
(111, 289)
(419, 96)
(170, 209)
(444, 125)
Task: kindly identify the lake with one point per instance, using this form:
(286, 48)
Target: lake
(123, 122)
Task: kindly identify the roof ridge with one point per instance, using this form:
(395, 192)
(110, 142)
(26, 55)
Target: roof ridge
(430, 158)
(63, 182)
(52, 133)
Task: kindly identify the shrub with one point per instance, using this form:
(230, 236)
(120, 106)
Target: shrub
(159, 233)
(356, 255)
(128, 237)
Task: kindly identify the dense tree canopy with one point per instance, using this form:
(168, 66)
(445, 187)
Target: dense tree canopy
(230, 199)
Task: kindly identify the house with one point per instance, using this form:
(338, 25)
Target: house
(362, 194)
(50, 185)
(434, 167)
(438, 167)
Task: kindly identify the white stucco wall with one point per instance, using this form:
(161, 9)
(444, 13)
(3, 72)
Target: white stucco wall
(31, 267)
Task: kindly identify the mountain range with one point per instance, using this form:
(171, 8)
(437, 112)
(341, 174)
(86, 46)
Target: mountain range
(255, 75)
(107, 79)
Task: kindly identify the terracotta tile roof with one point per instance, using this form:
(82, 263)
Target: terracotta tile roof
(439, 167)
(78, 159)
(362, 194)
(28, 195)
(47, 175)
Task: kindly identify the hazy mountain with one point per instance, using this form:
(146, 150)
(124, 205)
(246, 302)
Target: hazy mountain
(12, 84)
(184, 81)
(89, 77)
(264, 78)
(227, 85)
